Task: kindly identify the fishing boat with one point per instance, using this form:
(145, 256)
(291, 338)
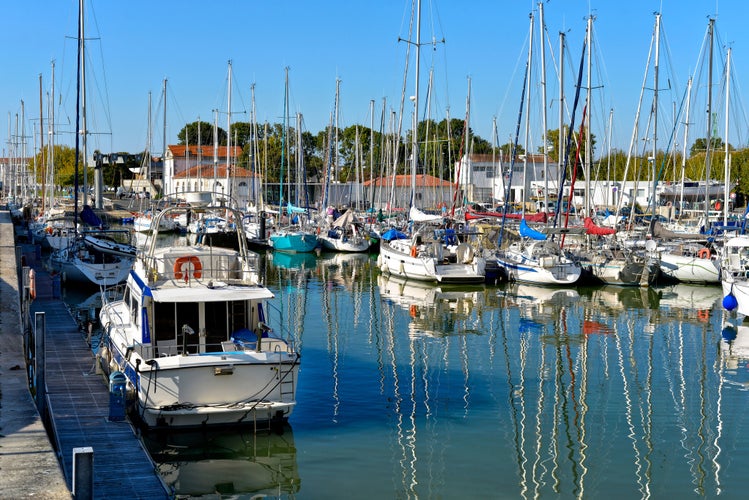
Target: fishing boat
(192, 337)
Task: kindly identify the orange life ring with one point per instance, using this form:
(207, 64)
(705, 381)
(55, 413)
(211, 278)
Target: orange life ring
(704, 253)
(413, 310)
(414, 251)
(703, 314)
(197, 267)
(32, 284)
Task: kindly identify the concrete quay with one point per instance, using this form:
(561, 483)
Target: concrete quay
(28, 462)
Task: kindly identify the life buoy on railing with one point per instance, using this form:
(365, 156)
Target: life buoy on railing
(197, 267)
(704, 253)
(32, 284)
(414, 251)
(669, 204)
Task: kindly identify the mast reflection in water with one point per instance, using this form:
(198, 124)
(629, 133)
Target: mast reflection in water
(513, 391)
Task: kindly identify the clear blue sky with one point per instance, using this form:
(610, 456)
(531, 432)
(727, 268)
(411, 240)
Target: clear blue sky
(134, 45)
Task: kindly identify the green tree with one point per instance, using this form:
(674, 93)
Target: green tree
(700, 145)
(189, 134)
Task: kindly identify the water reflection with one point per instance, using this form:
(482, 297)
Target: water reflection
(492, 391)
(227, 463)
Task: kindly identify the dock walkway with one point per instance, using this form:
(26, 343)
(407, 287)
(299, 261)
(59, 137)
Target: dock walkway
(78, 405)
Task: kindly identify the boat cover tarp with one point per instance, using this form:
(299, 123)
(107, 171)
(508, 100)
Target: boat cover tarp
(346, 219)
(417, 215)
(527, 232)
(295, 210)
(661, 232)
(89, 217)
(592, 228)
(393, 234)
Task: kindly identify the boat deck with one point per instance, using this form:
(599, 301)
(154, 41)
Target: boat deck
(78, 402)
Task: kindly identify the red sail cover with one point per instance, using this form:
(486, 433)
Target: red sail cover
(591, 228)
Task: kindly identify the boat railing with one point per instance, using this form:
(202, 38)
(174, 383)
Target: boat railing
(203, 267)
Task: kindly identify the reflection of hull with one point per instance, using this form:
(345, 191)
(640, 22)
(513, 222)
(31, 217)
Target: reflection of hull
(196, 464)
(433, 309)
(541, 294)
(294, 260)
(683, 296)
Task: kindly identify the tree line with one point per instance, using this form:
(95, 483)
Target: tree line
(363, 153)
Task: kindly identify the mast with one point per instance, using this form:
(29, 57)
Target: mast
(709, 135)
(41, 147)
(527, 117)
(562, 136)
(544, 139)
(78, 112)
(684, 147)
(588, 139)
(655, 117)
(83, 129)
(228, 139)
(414, 134)
(727, 160)
(163, 143)
(51, 142)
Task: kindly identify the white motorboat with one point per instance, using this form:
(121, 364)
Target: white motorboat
(191, 336)
(734, 269)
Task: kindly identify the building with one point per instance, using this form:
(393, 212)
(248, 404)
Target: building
(394, 191)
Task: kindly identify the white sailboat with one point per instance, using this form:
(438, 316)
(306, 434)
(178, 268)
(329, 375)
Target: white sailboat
(425, 255)
(82, 260)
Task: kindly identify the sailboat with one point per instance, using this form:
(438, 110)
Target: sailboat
(293, 237)
(95, 256)
(534, 258)
(432, 252)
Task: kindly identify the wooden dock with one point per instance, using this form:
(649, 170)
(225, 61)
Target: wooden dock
(78, 406)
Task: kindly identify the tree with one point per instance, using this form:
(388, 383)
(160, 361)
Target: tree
(700, 145)
(189, 134)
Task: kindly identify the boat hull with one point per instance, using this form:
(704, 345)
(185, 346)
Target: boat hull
(294, 242)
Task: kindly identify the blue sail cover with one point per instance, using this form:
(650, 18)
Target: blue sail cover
(527, 232)
(393, 234)
(296, 210)
(89, 217)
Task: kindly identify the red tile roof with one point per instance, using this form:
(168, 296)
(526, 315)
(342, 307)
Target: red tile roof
(404, 180)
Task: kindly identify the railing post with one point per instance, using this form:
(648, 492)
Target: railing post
(40, 358)
(83, 473)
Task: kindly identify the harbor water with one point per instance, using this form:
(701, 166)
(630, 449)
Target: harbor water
(409, 390)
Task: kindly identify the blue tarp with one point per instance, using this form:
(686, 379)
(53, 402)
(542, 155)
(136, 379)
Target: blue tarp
(89, 217)
(527, 232)
(393, 234)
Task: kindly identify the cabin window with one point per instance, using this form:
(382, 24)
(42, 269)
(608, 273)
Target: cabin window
(164, 322)
(238, 316)
(187, 314)
(216, 322)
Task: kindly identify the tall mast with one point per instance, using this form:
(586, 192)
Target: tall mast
(684, 147)
(228, 139)
(587, 127)
(414, 135)
(41, 147)
(709, 135)
(562, 135)
(727, 160)
(163, 143)
(83, 130)
(51, 142)
(544, 139)
(656, 64)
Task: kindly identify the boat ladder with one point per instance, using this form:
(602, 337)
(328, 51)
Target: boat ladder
(287, 382)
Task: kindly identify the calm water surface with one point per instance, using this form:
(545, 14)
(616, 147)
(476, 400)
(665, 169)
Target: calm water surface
(414, 391)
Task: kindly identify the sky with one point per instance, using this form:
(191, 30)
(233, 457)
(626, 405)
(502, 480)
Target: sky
(133, 46)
